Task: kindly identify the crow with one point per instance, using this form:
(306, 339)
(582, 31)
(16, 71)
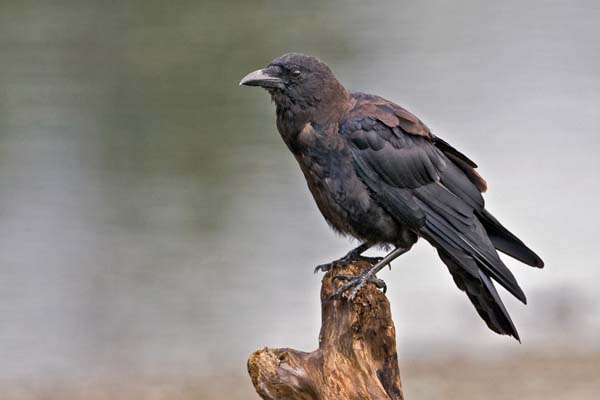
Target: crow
(378, 174)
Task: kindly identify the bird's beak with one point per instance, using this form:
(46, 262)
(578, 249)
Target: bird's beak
(264, 78)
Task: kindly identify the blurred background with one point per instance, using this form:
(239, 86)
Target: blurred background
(154, 229)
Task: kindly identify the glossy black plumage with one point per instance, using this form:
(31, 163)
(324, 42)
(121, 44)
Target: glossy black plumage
(377, 173)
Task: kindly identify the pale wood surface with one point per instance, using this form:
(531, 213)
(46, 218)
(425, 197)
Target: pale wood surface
(356, 358)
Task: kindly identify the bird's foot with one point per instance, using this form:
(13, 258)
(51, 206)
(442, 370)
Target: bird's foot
(356, 282)
(347, 259)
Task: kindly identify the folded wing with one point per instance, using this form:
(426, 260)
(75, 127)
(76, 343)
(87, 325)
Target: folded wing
(431, 187)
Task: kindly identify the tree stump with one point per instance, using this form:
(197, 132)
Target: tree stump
(356, 358)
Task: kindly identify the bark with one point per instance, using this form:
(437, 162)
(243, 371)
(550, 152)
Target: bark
(356, 358)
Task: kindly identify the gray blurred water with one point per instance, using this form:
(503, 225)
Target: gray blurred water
(152, 222)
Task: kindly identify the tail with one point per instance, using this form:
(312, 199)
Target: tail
(508, 243)
(481, 292)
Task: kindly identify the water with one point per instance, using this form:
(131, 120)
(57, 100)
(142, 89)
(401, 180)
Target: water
(152, 221)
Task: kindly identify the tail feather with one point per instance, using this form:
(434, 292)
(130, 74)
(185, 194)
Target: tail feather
(472, 243)
(481, 292)
(506, 242)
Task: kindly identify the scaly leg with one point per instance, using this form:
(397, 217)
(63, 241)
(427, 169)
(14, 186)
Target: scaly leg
(353, 255)
(369, 276)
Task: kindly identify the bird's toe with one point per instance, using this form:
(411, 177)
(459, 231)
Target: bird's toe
(370, 260)
(356, 283)
(340, 291)
(344, 277)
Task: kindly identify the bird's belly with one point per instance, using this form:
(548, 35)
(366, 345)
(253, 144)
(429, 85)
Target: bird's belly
(348, 207)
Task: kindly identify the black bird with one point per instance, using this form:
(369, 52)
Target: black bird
(377, 173)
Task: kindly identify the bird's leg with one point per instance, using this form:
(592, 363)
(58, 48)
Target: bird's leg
(369, 276)
(352, 255)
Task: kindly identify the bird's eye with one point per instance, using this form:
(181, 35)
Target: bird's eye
(296, 73)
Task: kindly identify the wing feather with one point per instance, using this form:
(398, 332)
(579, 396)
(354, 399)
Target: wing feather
(417, 178)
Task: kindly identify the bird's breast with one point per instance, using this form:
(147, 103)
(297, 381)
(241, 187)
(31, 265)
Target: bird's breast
(341, 196)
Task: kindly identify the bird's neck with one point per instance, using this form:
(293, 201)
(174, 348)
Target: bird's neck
(292, 116)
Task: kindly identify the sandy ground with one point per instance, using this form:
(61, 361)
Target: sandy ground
(526, 378)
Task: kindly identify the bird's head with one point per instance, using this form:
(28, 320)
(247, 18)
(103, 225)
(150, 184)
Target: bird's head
(298, 82)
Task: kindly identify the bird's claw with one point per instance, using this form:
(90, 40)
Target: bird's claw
(345, 261)
(325, 267)
(356, 283)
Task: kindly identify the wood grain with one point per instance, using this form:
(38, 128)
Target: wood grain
(356, 358)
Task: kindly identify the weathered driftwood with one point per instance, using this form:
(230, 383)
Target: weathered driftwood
(356, 358)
